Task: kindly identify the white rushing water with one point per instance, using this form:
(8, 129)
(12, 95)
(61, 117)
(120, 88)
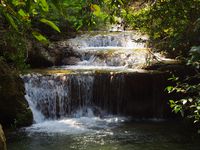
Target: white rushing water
(75, 125)
(130, 40)
(112, 49)
(54, 96)
(62, 104)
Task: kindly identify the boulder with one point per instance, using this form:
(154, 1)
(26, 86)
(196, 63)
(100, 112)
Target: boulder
(55, 54)
(2, 139)
(39, 56)
(14, 110)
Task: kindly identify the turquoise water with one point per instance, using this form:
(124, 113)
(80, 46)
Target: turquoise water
(135, 135)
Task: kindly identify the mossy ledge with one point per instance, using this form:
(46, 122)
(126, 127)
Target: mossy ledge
(14, 109)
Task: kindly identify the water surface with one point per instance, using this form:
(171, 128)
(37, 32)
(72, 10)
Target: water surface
(107, 135)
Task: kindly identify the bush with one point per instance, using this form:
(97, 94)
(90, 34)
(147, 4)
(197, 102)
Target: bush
(189, 105)
(170, 24)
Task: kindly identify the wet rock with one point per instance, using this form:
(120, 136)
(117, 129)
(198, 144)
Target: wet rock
(55, 54)
(13, 106)
(2, 139)
(71, 61)
(39, 57)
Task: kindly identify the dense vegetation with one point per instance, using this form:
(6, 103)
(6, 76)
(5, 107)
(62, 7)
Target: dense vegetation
(174, 28)
(173, 25)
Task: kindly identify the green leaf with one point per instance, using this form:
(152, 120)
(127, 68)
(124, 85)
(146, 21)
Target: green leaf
(17, 3)
(39, 37)
(22, 13)
(177, 108)
(190, 100)
(50, 23)
(96, 9)
(120, 1)
(123, 12)
(172, 103)
(184, 101)
(44, 5)
(11, 21)
(173, 78)
(169, 89)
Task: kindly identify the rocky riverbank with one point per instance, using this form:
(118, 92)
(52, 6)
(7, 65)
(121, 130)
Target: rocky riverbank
(14, 109)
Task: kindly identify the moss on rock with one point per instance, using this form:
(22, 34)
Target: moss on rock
(13, 106)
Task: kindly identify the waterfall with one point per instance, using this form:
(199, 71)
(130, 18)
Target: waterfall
(71, 103)
(101, 82)
(127, 40)
(137, 94)
(58, 96)
(108, 49)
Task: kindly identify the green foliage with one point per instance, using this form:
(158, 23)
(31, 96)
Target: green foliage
(195, 57)
(39, 37)
(20, 14)
(86, 14)
(90, 14)
(50, 23)
(189, 105)
(96, 9)
(17, 30)
(13, 48)
(170, 24)
(174, 26)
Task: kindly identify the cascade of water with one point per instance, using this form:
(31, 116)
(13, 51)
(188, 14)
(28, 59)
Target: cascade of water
(127, 40)
(81, 95)
(72, 103)
(109, 49)
(57, 96)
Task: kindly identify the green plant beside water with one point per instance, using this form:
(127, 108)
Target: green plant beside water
(189, 105)
(173, 27)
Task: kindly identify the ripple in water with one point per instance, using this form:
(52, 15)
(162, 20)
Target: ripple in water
(70, 126)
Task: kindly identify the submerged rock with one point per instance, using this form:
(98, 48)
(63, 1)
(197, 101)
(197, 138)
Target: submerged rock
(2, 139)
(13, 106)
